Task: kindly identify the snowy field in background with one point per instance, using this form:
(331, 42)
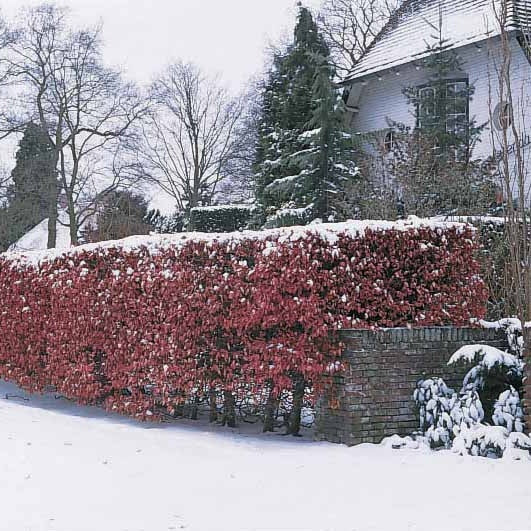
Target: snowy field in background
(69, 468)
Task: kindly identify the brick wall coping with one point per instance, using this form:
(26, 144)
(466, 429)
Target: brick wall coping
(424, 334)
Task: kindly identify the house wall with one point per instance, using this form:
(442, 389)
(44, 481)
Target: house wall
(382, 100)
(372, 397)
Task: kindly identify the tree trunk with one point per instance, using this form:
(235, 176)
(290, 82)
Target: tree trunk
(294, 425)
(194, 409)
(269, 415)
(213, 406)
(72, 220)
(178, 412)
(229, 411)
(52, 217)
(527, 379)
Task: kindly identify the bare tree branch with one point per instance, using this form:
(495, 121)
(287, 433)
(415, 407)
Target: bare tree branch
(87, 109)
(191, 137)
(350, 26)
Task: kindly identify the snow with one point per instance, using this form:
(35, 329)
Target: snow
(490, 356)
(283, 183)
(310, 134)
(479, 220)
(69, 468)
(37, 238)
(217, 208)
(155, 242)
(464, 22)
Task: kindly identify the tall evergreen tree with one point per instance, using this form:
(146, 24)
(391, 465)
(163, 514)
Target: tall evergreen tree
(330, 167)
(442, 103)
(304, 157)
(34, 183)
(286, 112)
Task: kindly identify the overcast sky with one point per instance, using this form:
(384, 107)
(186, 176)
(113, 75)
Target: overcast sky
(223, 36)
(226, 37)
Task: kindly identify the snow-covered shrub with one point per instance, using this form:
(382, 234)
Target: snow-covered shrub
(150, 323)
(451, 420)
(432, 397)
(443, 413)
(223, 218)
(513, 331)
(487, 359)
(481, 440)
(518, 446)
(492, 373)
(508, 411)
(465, 410)
(492, 441)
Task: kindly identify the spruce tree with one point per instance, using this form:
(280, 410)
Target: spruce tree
(34, 183)
(5, 233)
(329, 156)
(443, 98)
(281, 188)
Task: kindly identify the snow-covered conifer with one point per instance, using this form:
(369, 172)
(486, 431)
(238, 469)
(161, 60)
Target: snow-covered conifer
(302, 157)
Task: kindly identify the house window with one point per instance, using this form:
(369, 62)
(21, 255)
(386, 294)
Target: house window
(389, 141)
(427, 107)
(502, 116)
(449, 109)
(457, 108)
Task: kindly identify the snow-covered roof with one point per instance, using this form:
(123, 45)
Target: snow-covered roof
(404, 39)
(36, 239)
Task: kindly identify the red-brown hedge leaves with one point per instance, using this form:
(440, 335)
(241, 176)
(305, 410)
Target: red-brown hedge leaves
(141, 329)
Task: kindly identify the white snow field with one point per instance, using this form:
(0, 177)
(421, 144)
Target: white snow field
(70, 468)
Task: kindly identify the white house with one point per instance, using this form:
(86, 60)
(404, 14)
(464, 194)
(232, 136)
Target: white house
(375, 87)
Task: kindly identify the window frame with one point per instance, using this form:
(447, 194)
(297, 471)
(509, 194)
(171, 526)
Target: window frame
(447, 81)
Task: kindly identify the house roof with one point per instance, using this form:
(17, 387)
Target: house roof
(405, 37)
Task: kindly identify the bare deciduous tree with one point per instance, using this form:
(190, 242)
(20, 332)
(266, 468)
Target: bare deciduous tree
(7, 38)
(5, 179)
(190, 140)
(238, 187)
(510, 108)
(101, 114)
(32, 59)
(350, 26)
(86, 108)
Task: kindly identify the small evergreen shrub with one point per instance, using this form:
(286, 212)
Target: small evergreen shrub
(452, 420)
(224, 218)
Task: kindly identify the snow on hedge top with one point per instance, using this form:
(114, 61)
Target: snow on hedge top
(154, 242)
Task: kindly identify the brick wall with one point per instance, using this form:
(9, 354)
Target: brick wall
(372, 398)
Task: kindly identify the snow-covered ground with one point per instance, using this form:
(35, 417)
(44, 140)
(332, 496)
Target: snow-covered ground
(69, 468)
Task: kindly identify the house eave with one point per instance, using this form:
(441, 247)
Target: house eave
(384, 69)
